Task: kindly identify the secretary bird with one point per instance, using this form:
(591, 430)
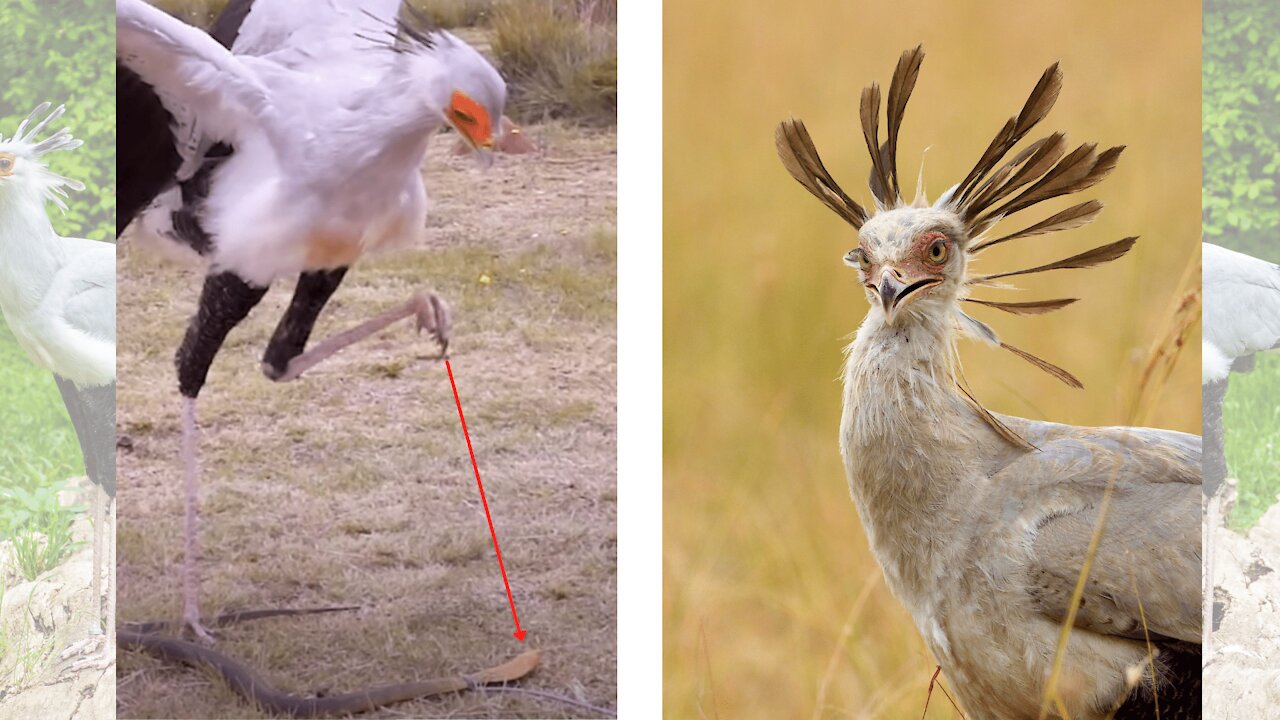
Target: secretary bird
(58, 296)
(294, 161)
(1241, 317)
(981, 521)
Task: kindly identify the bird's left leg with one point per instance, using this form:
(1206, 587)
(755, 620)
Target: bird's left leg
(225, 300)
(1214, 480)
(92, 413)
(99, 661)
(285, 360)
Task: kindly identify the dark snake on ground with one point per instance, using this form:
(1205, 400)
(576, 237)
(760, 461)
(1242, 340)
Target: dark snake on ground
(245, 682)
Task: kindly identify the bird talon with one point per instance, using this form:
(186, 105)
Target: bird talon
(194, 629)
(432, 314)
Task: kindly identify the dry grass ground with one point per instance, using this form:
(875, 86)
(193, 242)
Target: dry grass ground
(774, 606)
(353, 485)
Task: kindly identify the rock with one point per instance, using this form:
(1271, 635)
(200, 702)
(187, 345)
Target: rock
(40, 619)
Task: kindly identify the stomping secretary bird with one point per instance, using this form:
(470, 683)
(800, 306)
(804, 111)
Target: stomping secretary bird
(295, 155)
(981, 521)
(59, 299)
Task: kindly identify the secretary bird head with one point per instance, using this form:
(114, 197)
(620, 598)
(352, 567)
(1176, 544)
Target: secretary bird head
(23, 174)
(913, 258)
(471, 95)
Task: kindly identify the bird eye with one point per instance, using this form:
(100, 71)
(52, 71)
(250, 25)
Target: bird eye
(938, 251)
(463, 117)
(857, 257)
(6, 164)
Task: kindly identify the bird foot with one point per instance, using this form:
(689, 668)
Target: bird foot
(433, 316)
(83, 647)
(98, 654)
(193, 628)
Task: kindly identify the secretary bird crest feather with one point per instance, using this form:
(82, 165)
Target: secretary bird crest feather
(913, 257)
(20, 155)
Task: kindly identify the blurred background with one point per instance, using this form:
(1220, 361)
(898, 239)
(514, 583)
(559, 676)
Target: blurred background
(1242, 212)
(773, 605)
(55, 51)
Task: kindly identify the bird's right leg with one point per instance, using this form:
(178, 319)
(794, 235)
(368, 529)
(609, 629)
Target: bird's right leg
(225, 300)
(285, 360)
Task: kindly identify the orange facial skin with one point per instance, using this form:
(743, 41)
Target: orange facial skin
(7, 161)
(471, 119)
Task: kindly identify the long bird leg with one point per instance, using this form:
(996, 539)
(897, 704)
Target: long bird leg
(1215, 475)
(285, 360)
(225, 300)
(92, 413)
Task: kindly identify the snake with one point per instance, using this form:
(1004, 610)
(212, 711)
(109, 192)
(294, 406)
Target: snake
(248, 684)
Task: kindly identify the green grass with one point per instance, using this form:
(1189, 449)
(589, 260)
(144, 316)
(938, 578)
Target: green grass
(1252, 418)
(36, 437)
(38, 452)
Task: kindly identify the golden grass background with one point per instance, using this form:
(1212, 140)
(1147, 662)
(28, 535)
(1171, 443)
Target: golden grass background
(773, 604)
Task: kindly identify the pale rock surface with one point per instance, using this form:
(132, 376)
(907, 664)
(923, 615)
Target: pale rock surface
(39, 620)
(1242, 682)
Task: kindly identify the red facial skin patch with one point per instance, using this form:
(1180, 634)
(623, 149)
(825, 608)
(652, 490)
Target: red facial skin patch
(471, 119)
(916, 265)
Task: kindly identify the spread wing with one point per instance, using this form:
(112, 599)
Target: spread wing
(1241, 302)
(1148, 562)
(191, 73)
(275, 27)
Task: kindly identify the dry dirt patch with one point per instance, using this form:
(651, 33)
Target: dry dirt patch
(353, 485)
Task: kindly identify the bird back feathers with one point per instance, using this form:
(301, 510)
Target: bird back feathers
(992, 191)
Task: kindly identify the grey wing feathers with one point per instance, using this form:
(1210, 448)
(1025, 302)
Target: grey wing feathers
(1147, 567)
(90, 305)
(1241, 302)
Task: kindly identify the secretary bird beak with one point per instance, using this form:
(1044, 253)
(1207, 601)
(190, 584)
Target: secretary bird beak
(890, 291)
(896, 293)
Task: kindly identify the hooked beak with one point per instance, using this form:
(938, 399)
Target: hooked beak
(896, 293)
(482, 148)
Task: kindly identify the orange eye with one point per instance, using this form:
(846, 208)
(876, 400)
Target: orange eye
(471, 119)
(6, 164)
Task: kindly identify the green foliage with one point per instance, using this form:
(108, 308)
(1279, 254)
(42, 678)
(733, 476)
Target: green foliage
(1241, 125)
(42, 527)
(1252, 419)
(37, 442)
(60, 51)
(560, 58)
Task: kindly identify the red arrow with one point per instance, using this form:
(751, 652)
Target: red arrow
(518, 633)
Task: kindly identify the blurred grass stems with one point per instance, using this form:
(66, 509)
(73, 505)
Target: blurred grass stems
(1182, 319)
(1183, 316)
(1051, 696)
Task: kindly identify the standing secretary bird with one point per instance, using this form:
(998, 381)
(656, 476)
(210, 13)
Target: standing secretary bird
(981, 521)
(59, 299)
(295, 155)
(1241, 318)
